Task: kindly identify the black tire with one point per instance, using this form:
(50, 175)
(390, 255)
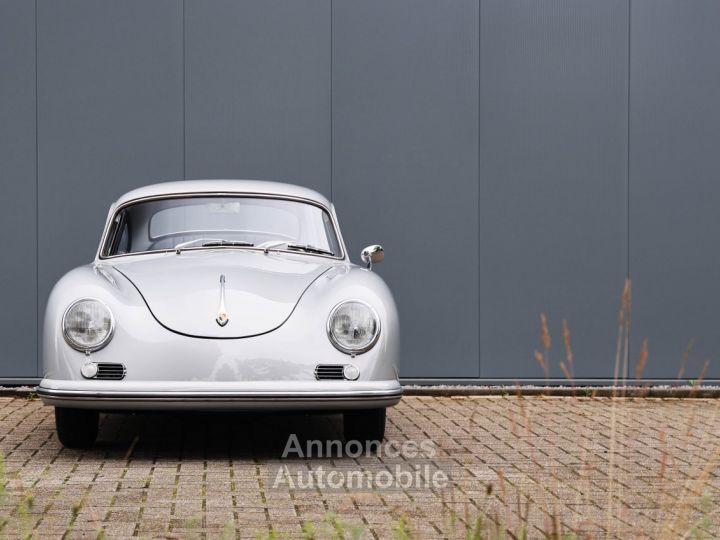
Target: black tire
(365, 425)
(76, 428)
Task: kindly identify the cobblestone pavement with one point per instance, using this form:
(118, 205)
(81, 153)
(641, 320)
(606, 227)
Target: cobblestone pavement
(593, 467)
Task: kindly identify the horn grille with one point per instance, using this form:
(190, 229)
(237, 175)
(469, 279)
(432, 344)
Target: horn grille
(329, 372)
(110, 371)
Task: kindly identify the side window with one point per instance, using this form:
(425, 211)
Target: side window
(120, 241)
(124, 242)
(333, 242)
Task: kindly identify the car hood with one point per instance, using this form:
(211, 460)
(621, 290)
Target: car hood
(183, 292)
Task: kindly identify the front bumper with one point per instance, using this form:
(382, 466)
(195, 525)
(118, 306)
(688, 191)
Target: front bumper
(243, 395)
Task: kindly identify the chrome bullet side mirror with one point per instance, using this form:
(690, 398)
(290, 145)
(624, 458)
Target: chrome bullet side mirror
(372, 255)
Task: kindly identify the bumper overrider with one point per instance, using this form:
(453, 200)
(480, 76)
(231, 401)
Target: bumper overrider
(232, 395)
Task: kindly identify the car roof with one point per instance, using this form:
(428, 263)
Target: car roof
(260, 187)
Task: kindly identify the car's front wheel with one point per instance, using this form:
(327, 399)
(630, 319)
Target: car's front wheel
(366, 426)
(76, 428)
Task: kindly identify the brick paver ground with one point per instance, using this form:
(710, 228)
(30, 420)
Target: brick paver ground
(588, 466)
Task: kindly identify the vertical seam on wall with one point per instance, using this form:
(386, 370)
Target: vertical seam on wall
(184, 136)
(479, 184)
(627, 195)
(37, 215)
(331, 101)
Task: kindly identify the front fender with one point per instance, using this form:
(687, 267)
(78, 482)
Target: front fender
(350, 282)
(103, 283)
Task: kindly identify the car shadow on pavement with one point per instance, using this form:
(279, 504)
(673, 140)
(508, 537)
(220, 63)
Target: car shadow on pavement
(211, 435)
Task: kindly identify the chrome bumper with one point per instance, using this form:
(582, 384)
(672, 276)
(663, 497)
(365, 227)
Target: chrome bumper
(244, 395)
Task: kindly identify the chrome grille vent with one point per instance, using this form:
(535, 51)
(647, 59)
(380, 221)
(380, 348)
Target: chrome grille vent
(329, 372)
(110, 371)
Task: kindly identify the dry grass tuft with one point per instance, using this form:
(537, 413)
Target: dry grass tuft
(545, 333)
(642, 360)
(685, 511)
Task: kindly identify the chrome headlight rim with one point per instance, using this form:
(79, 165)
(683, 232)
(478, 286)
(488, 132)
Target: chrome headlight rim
(339, 346)
(84, 348)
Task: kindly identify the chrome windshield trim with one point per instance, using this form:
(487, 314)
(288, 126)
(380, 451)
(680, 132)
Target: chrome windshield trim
(237, 194)
(215, 248)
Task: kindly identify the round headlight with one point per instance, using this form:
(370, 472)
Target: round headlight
(353, 327)
(88, 325)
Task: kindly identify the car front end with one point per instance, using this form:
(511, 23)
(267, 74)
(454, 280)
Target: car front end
(229, 324)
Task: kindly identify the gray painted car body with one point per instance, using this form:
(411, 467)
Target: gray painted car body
(265, 360)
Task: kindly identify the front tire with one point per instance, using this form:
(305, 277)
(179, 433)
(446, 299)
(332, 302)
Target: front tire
(366, 426)
(76, 428)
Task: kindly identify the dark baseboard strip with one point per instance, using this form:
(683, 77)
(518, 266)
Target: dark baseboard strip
(17, 391)
(566, 391)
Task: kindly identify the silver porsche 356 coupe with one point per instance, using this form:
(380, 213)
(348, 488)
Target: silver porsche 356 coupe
(221, 295)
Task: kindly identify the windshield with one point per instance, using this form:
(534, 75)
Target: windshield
(207, 222)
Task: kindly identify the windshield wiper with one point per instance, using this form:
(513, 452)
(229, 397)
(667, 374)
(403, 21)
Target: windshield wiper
(310, 249)
(209, 242)
(234, 243)
(182, 245)
(297, 247)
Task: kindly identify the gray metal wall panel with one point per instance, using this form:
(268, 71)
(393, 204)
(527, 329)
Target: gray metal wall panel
(260, 84)
(553, 160)
(18, 277)
(258, 90)
(405, 146)
(675, 182)
(110, 117)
